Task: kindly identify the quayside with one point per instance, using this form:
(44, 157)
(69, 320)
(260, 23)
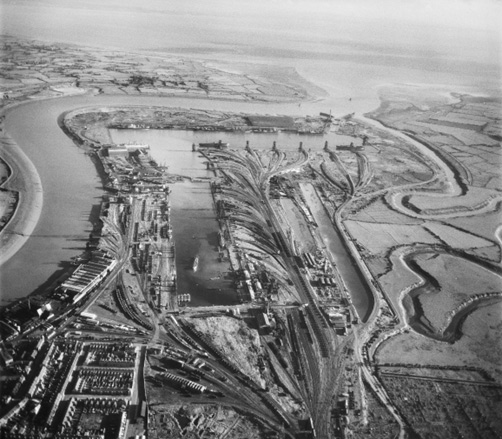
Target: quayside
(72, 186)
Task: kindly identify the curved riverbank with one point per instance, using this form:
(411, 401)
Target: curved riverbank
(25, 180)
(453, 331)
(425, 150)
(456, 178)
(57, 228)
(448, 328)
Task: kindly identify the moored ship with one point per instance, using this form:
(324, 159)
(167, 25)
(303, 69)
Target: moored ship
(219, 145)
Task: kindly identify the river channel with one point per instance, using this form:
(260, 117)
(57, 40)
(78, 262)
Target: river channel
(361, 295)
(72, 187)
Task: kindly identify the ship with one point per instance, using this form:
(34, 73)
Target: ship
(195, 263)
(219, 145)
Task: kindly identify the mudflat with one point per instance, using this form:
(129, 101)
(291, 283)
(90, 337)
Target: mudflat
(25, 181)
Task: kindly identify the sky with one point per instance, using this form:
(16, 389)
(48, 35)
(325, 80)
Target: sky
(480, 15)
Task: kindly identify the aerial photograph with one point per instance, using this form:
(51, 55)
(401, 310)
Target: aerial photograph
(267, 219)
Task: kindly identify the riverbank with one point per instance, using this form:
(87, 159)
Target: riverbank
(25, 181)
(8, 198)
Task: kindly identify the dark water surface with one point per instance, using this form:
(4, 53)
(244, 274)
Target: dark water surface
(195, 228)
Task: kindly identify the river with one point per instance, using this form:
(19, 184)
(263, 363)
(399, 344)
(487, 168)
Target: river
(71, 187)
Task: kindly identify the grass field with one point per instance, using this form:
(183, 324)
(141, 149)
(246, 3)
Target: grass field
(377, 238)
(400, 278)
(458, 280)
(378, 211)
(482, 225)
(455, 238)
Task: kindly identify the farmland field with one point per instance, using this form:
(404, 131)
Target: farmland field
(464, 136)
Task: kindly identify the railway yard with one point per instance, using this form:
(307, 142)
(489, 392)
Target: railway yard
(116, 350)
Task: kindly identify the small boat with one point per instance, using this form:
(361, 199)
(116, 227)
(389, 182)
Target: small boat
(195, 265)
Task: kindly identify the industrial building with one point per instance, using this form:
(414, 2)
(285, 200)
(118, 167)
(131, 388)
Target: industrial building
(88, 276)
